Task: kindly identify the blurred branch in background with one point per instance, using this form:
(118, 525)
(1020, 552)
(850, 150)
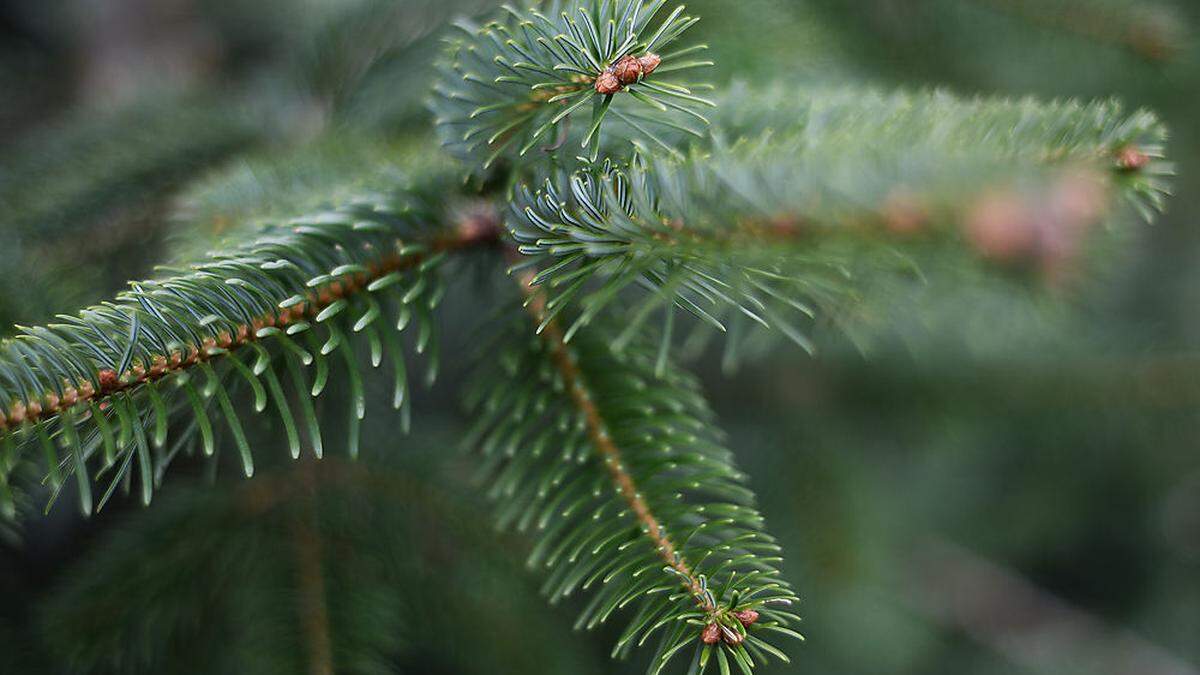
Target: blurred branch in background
(107, 177)
(310, 577)
(1032, 628)
(1152, 32)
(130, 45)
(363, 567)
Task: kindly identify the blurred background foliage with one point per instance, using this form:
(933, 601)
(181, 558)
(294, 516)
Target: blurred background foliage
(998, 486)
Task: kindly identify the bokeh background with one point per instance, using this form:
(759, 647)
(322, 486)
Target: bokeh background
(999, 484)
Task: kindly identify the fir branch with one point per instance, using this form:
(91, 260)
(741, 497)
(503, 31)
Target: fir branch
(107, 366)
(772, 227)
(612, 459)
(572, 378)
(516, 83)
(103, 383)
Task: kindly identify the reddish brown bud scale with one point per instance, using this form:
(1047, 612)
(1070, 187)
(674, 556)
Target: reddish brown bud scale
(747, 617)
(608, 83)
(628, 70)
(108, 379)
(1002, 226)
(711, 634)
(649, 63)
(904, 213)
(786, 226)
(1130, 158)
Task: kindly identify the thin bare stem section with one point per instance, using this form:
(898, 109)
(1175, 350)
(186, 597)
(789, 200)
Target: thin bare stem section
(602, 440)
(310, 573)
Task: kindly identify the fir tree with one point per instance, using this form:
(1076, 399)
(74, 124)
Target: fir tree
(620, 211)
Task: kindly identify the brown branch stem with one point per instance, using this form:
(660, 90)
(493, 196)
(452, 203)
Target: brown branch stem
(469, 235)
(310, 577)
(573, 378)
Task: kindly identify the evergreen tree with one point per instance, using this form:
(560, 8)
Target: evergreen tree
(581, 215)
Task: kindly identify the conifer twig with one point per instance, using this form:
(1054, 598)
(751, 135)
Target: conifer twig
(602, 439)
(163, 366)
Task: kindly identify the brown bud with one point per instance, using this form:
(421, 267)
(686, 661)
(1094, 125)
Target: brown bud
(649, 63)
(904, 214)
(608, 83)
(747, 617)
(479, 222)
(18, 413)
(1002, 226)
(108, 379)
(732, 637)
(628, 70)
(711, 634)
(1130, 158)
(786, 226)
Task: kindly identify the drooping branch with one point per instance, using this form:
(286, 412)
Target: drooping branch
(598, 431)
(612, 461)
